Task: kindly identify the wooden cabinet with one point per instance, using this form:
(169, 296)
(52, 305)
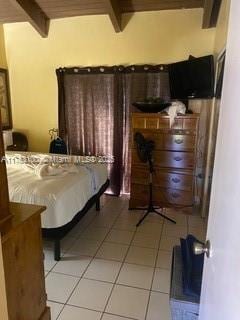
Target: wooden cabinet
(4, 197)
(174, 159)
(22, 258)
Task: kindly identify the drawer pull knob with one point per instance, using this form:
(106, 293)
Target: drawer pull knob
(178, 141)
(177, 158)
(176, 180)
(175, 195)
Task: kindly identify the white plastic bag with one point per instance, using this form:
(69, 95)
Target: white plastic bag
(174, 109)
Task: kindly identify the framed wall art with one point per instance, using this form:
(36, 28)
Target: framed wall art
(5, 102)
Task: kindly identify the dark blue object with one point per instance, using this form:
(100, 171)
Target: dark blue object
(192, 267)
(58, 146)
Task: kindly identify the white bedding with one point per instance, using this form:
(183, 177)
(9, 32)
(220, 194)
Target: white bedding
(64, 196)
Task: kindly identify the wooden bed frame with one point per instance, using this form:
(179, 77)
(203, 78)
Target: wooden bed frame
(57, 234)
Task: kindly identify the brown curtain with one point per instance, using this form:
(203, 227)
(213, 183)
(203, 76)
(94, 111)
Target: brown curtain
(90, 117)
(139, 84)
(95, 105)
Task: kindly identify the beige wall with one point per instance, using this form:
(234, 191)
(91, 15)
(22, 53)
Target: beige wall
(150, 37)
(3, 61)
(219, 46)
(222, 27)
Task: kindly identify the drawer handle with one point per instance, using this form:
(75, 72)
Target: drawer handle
(177, 158)
(176, 180)
(175, 195)
(178, 141)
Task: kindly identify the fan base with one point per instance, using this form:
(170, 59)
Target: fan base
(152, 209)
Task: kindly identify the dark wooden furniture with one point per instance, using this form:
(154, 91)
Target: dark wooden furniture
(182, 306)
(22, 256)
(20, 142)
(174, 160)
(56, 234)
(5, 214)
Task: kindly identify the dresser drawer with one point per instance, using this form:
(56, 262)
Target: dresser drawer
(171, 159)
(150, 135)
(190, 124)
(150, 123)
(178, 142)
(140, 193)
(163, 141)
(161, 196)
(166, 179)
(155, 121)
(177, 124)
(168, 159)
(178, 197)
(138, 122)
(174, 158)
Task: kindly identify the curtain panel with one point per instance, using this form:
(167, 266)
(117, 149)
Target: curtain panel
(95, 105)
(139, 85)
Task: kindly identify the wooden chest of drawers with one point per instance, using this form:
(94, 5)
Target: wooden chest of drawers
(22, 265)
(174, 159)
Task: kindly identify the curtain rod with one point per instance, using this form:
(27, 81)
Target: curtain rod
(114, 69)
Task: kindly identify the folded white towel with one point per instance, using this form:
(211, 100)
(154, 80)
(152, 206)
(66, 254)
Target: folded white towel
(174, 109)
(43, 166)
(43, 170)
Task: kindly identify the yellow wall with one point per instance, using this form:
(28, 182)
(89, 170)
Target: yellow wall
(150, 37)
(3, 61)
(222, 27)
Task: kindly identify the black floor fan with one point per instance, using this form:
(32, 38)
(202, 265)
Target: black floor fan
(144, 150)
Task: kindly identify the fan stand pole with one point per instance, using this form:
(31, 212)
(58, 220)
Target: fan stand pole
(151, 207)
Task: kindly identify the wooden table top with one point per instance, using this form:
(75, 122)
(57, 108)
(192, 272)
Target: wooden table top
(21, 213)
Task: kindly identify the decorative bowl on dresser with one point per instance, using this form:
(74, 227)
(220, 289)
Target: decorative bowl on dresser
(151, 107)
(174, 160)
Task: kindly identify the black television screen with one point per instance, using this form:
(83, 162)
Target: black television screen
(192, 78)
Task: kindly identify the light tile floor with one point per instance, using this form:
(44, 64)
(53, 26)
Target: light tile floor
(112, 271)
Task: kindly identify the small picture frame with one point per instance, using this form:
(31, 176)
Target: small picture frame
(5, 102)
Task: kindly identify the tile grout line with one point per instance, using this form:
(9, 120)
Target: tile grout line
(84, 269)
(115, 283)
(114, 260)
(110, 229)
(85, 308)
(75, 240)
(124, 261)
(66, 303)
(112, 314)
(154, 271)
(96, 213)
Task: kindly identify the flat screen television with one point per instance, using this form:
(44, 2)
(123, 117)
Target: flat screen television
(192, 79)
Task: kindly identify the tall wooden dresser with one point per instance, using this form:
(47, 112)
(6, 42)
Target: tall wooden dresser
(174, 159)
(22, 282)
(22, 259)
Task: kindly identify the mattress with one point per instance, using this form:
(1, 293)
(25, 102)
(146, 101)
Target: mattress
(64, 196)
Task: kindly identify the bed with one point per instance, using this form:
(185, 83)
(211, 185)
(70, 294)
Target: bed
(67, 196)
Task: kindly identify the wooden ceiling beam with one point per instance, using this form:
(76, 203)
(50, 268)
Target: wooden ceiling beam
(34, 14)
(211, 11)
(114, 11)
